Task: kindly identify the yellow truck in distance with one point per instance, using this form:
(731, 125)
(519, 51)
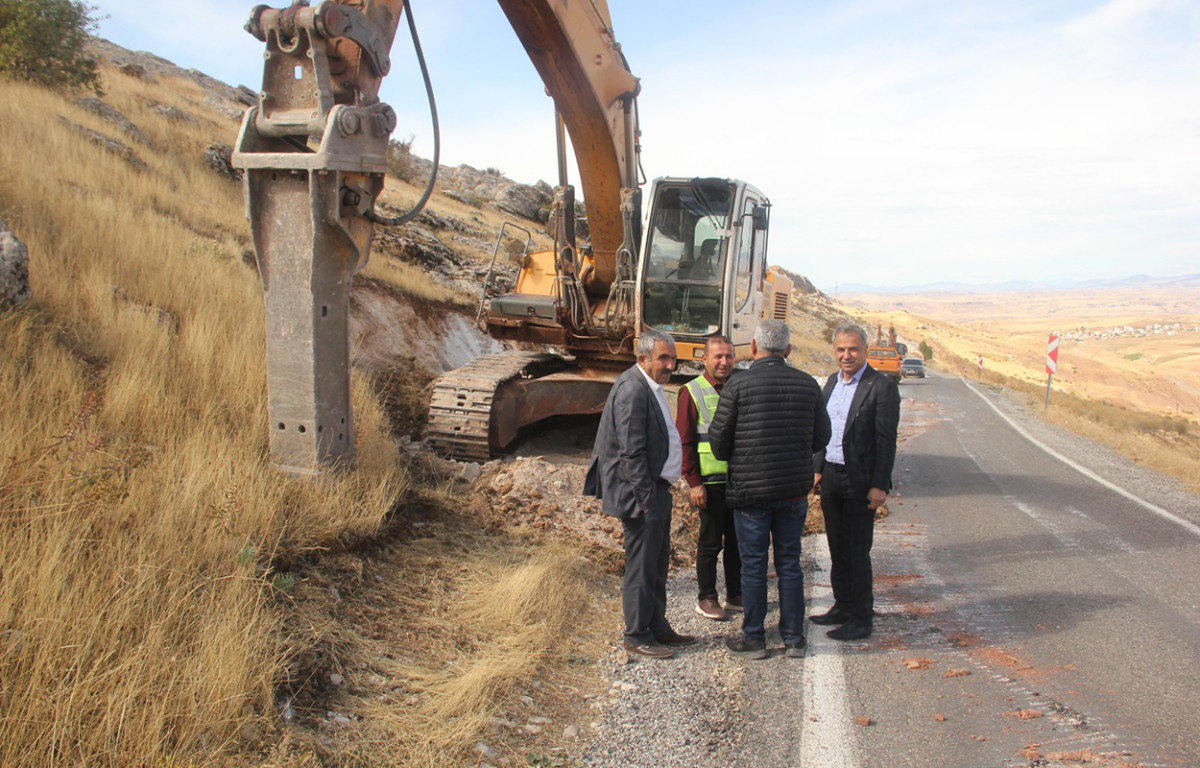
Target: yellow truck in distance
(885, 357)
(886, 360)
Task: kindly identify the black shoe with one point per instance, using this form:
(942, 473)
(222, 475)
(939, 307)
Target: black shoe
(747, 648)
(674, 638)
(794, 650)
(649, 650)
(834, 615)
(853, 629)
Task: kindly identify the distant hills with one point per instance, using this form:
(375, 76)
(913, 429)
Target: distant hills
(949, 286)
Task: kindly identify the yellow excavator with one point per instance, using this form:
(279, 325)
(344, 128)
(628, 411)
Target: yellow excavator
(692, 264)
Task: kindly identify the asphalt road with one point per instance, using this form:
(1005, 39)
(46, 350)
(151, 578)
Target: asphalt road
(1072, 609)
(1038, 603)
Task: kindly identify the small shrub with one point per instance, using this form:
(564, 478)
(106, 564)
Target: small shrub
(831, 325)
(399, 158)
(43, 41)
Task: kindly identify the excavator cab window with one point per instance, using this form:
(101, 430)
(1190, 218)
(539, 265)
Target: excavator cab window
(683, 278)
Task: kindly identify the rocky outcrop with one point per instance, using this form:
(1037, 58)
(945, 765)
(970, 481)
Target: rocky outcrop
(115, 146)
(147, 66)
(173, 113)
(532, 203)
(114, 116)
(488, 187)
(14, 270)
(803, 285)
(219, 158)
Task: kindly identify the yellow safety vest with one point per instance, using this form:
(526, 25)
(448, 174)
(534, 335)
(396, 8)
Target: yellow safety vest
(712, 469)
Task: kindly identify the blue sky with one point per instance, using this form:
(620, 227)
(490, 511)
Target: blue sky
(900, 141)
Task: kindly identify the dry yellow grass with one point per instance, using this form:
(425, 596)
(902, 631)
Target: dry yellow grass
(412, 281)
(473, 627)
(141, 516)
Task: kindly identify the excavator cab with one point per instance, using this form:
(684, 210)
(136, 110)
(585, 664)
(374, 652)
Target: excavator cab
(704, 257)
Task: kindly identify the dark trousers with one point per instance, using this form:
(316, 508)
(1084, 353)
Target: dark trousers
(850, 529)
(717, 532)
(647, 558)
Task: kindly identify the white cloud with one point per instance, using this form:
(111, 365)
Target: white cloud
(1114, 17)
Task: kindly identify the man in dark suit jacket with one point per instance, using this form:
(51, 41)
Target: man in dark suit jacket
(855, 473)
(635, 461)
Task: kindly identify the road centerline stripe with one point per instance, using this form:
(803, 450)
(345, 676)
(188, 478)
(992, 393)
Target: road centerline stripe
(825, 740)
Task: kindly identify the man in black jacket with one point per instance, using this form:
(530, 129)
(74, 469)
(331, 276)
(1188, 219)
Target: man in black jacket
(855, 473)
(769, 422)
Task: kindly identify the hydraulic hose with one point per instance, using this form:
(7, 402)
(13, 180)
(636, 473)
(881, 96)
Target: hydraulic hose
(404, 218)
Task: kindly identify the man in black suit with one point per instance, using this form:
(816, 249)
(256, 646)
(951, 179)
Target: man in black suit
(855, 473)
(635, 461)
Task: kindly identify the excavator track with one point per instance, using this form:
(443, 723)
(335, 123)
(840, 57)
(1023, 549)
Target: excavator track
(460, 409)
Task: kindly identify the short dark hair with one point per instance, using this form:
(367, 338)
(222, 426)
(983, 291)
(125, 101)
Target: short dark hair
(718, 339)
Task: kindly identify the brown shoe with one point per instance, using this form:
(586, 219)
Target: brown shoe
(649, 650)
(733, 604)
(709, 608)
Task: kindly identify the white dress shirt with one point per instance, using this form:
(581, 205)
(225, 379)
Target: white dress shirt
(674, 466)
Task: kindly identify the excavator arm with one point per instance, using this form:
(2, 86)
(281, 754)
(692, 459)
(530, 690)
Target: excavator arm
(314, 155)
(571, 44)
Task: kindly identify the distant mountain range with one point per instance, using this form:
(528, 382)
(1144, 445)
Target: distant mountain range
(948, 286)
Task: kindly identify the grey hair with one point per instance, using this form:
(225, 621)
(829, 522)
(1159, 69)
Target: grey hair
(849, 328)
(773, 336)
(650, 337)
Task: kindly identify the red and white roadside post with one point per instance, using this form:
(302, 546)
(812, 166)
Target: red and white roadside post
(980, 364)
(1051, 363)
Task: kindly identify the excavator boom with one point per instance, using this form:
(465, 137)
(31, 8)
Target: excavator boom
(314, 154)
(571, 44)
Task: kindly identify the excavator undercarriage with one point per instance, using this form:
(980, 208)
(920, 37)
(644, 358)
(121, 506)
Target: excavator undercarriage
(479, 408)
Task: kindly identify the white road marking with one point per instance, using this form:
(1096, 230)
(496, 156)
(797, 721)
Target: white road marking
(825, 740)
(1187, 525)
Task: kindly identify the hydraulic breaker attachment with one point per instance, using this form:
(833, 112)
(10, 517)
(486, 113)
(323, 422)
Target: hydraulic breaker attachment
(314, 152)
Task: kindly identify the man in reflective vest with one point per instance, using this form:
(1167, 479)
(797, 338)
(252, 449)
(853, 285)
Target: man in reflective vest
(705, 475)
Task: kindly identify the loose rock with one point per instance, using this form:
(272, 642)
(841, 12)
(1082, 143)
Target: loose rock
(14, 270)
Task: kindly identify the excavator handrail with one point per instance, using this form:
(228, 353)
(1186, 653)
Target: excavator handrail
(487, 280)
